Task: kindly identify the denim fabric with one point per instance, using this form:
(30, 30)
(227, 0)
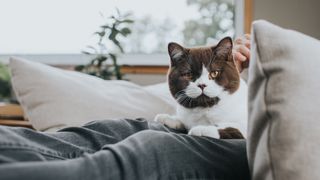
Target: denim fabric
(118, 149)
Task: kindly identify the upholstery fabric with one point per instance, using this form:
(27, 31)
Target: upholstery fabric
(284, 84)
(53, 97)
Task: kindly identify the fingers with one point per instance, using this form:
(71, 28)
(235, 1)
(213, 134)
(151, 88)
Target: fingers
(239, 66)
(244, 40)
(241, 51)
(241, 61)
(248, 40)
(247, 44)
(247, 36)
(244, 51)
(238, 56)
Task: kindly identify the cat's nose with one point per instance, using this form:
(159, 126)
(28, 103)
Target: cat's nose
(202, 86)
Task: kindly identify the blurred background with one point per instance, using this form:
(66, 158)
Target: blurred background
(67, 26)
(127, 39)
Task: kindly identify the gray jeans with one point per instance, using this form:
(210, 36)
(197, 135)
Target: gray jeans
(118, 149)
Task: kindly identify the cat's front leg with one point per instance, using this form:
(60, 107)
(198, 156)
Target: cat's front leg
(170, 121)
(209, 131)
(232, 130)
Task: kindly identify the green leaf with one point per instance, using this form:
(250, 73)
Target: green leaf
(117, 71)
(79, 67)
(106, 27)
(92, 48)
(101, 34)
(117, 43)
(113, 56)
(113, 34)
(85, 52)
(102, 58)
(126, 21)
(125, 31)
(4, 73)
(101, 51)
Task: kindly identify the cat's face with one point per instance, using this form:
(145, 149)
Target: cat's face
(199, 76)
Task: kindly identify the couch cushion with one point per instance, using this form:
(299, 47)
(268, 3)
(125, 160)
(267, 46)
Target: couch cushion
(284, 86)
(53, 97)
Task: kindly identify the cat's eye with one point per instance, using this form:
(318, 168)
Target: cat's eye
(214, 74)
(187, 75)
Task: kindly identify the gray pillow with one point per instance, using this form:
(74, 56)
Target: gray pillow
(284, 102)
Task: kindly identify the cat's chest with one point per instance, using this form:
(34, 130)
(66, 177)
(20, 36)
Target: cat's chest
(199, 116)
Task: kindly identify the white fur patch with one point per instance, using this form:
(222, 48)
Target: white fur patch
(209, 131)
(219, 115)
(170, 121)
(193, 90)
(211, 90)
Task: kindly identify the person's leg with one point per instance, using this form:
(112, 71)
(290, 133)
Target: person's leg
(21, 144)
(160, 155)
(145, 155)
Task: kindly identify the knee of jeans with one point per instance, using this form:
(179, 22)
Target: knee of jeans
(120, 123)
(155, 139)
(153, 134)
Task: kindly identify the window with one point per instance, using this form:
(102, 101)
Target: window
(55, 32)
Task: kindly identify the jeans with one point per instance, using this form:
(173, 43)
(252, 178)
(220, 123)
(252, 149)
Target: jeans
(118, 149)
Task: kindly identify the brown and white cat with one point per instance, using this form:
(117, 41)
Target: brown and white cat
(211, 96)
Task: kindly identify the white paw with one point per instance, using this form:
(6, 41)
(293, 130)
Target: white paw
(162, 118)
(170, 121)
(209, 131)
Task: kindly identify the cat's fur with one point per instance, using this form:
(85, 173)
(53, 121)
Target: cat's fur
(211, 96)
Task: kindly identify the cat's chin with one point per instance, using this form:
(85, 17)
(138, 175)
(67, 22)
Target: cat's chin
(201, 101)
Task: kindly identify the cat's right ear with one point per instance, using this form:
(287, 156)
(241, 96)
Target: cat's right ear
(175, 51)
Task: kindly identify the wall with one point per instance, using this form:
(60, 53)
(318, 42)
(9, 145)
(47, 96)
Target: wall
(300, 15)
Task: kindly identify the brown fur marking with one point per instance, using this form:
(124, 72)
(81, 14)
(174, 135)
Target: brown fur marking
(230, 133)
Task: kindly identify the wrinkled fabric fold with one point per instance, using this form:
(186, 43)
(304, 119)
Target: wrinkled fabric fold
(118, 149)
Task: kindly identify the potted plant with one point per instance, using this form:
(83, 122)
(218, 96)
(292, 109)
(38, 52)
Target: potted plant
(5, 86)
(107, 48)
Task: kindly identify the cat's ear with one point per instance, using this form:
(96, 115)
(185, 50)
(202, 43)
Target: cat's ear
(225, 43)
(224, 46)
(175, 51)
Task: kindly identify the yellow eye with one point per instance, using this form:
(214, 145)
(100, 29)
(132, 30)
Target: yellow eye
(214, 74)
(187, 75)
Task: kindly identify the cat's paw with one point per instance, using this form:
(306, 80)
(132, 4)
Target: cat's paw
(169, 121)
(209, 131)
(161, 118)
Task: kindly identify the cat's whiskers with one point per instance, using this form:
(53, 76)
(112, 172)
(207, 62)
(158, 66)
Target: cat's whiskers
(190, 100)
(182, 98)
(179, 92)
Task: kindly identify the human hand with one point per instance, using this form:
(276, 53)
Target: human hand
(241, 51)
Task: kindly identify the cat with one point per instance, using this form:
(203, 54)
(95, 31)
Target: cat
(211, 96)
